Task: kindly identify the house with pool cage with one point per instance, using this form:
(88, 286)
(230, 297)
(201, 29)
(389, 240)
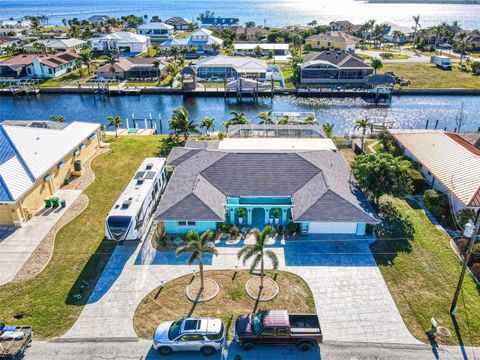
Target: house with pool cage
(260, 175)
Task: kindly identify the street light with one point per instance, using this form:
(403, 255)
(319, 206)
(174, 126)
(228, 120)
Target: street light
(471, 231)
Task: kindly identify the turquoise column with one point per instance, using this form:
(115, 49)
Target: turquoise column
(267, 216)
(249, 216)
(232, 215)
(284, 219)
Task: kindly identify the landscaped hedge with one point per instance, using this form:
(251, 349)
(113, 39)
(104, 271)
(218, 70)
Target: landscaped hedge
(437, 203)
(475, 257)
(418, 181)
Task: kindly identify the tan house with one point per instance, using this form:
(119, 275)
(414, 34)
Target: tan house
(132, 68)
(335, 40)
(35, 159)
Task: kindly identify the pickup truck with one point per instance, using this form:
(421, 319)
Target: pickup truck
(277, 327)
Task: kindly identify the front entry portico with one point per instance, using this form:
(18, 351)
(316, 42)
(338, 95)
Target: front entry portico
(259, 211)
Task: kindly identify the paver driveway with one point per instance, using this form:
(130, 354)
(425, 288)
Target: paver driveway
(351, 297)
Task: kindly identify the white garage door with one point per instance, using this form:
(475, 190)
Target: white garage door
(332, 228)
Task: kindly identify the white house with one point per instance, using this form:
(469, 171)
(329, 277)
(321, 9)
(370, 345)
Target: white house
(51, 66)
(123, 41)
(56, 45)
(156, 30)
(201, 42)
(266, 49)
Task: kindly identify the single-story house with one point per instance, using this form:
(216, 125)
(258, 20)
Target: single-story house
(335, 40)
(253, 33)
(200, 42)
(6, 41)
(51, 66)
(266, 49)
(123, 41)
(14, 28)
(447, 161)
(36, 157)
(219, 22)
(274, 180)
(222, 67)
(472, 137)
(56, 45)
(334, 68)
(179, 23)
(131, 67)
(98, 19)
(16, 67)
(472, 39)
(345, 26)
(157, 31)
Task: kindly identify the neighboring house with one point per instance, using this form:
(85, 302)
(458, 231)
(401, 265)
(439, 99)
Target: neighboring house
(448, 163)
(392, 30)
(157, 31)
(219, 22)
(98, 20)
(253, 33)
(472, 40)
(131, 68)
(472, 137)
(14, 28)
(266, 49)
(335, 40)
(179, 23)
(6, 41)
(36, 158)
(123, 41)
(56, 45)
(210, 183)
(334, 68)
(432, 36)
(16, 67)
(222, 67)
(200, 42)
(52, 66)
(345, 26)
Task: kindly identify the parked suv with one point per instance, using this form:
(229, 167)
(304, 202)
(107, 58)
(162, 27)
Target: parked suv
(191, 334)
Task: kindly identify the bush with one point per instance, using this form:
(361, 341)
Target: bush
(418, 181)
(224, 227)
(475, 257)
(476, 270)
(462, 244)
(386, 55)
(463, 216)
(394, 223)
(475, 67)
(292, 227)
(234, 232)
(436, 202)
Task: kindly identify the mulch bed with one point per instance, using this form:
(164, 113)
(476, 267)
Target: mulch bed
(209, 292)
(269, 291)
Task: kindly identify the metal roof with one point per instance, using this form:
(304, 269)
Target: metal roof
(452, 163)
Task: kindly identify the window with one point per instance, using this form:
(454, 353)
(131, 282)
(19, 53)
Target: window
(281, 332)
(191, 223)
(267, 332)
(50, 71)
(182, 223)
(192, 337)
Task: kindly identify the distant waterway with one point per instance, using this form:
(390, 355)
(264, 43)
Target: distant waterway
(405, 111)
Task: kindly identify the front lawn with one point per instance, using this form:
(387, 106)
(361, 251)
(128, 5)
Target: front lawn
(47, 301)
(287, 71)
(72, 78)
(429, 76)
(422, 274)
(170, 302)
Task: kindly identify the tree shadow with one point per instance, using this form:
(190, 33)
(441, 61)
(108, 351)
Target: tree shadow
(459, 337)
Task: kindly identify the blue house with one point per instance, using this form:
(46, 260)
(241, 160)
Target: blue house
(215, 182)
(219, 22)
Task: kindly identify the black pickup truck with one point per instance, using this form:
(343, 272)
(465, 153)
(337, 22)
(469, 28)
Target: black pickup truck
(277, 327)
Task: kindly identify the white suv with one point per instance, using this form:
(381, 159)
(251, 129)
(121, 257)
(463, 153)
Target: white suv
(191, 334)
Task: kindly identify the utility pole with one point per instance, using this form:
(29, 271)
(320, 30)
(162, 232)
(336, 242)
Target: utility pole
(473, 232)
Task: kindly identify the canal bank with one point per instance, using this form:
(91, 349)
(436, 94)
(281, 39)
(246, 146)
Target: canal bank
(405, 111)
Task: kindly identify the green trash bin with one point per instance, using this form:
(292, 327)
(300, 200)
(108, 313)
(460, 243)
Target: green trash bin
(55, 202)
(48, 203)
(63, 203)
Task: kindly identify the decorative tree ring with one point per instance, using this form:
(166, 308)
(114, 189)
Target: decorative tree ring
(269, 292)
(209, 292)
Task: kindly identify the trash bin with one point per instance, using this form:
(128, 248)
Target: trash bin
(63, 203)
(48, 203)
(55, 202)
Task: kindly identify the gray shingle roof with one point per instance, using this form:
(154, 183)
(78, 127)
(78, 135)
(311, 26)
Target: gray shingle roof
(317, 181)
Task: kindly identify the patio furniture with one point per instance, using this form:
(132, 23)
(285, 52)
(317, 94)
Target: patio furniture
(63, 203)
(55, 201)
(48, 203)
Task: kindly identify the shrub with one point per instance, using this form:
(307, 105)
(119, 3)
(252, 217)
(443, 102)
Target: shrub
(475, 67)
(386, 55)
(234, 232)
(436, 203)
(476, 270)
(475, 257)
(463, 216)
(224, 227)
(394, 223)
(418, 181)
(292, 227)
(241, 212)
(462, 244)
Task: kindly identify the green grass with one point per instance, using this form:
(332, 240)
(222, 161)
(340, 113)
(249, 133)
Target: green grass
(5, 57)
(287, 71)
(72, 78)
(422, 278)
(81, 252)
(429, 76)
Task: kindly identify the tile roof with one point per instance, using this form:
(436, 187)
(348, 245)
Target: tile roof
(318, 182)
(341, 59)
(240, 63)
(454, 164)
(335, 36)
(155, 25)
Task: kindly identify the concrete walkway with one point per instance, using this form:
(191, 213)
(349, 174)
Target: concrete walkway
(412, 57)
(17, 247)
(351, 297)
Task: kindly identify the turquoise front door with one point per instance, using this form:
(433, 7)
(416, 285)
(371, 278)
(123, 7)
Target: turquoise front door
(258, 218)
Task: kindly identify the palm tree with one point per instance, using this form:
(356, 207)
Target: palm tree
(197, 246)
(284, 121)
(112, 60)
(238, 118)
(174, 51)
(258, 252)
(116, 122)
(364, 124)
(266, 117)
(58, 118)
(156, 49)
(156, 63)
(328, 129)
(181, 123)
(461, 45)
(216, 47)
(85, 58)
(416, 20)
(376, 64)
(208, 124)
(310, 120)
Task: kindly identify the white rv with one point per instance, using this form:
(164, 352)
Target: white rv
(129, 217)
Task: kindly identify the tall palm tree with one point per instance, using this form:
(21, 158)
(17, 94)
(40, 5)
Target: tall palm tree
(328, 129)
(197, 247)
(416, 20)
(208, 124)
(112, 60)
(461, 45)
(174, 51)
(284, 121)
(85, 58)
(266, 117)
(363, 124)
(181, 123)
(216, 47)
(116, 122)
(238, 118)
(58, 118)
(258, 252)
(156, 49)
(156, 63)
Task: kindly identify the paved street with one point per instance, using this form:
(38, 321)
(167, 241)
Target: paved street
(351, 297)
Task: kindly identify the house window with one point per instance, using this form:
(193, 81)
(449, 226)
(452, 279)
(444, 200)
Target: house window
(182, 223)
(50, 71)
(191, 223)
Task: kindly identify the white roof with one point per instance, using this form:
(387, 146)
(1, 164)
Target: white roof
(156, 25)
(454, 163)
(58, 43)
(240, 63)
(202, 32)
(37, 150)
(136, 192)
(252, 46)
(124, 36)
(275, 144)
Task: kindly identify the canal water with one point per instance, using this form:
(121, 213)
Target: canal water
(404, 112)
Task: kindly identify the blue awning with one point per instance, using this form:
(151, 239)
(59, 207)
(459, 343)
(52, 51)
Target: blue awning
(82, 146)
(91, 136)
(47, 177)
(60, 164)
(76, 152)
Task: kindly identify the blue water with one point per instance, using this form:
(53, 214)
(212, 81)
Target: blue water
(405, 111)
(263, 12)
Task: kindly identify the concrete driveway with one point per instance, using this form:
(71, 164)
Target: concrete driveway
(351, 297)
